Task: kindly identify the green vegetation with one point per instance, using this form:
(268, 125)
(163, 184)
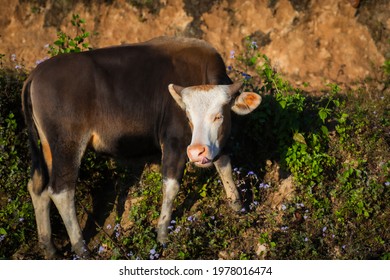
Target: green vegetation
(67, 44)
(333, 148)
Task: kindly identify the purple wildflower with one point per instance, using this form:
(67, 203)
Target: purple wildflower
(232, 53)
(177, 230)
(263, 186)
(101, 249)
(153, 254)
(246, 76)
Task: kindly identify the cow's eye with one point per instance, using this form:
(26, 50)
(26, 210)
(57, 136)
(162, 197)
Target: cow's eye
(218, 117)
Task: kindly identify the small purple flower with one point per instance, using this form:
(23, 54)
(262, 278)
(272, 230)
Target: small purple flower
(251, 173)
(254, 45)
(109, 226)
(232, 53)
(21, 220)
(284, 207)
(246, 76)
(263, 186)
(130, 254)
(13, 57)
(387, 184)
(18, 67)
(229, 68)
(212, 217)
(101, 249)
(306, 239)
(2, 237)
(153, 254)
(324, 228)
(39, 61)
(253, 204)
(285, 228)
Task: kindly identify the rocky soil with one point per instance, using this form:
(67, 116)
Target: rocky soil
(311, 41)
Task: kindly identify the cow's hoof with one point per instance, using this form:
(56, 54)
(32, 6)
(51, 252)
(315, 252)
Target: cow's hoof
(49, 251)
(236, 205)
(81, 250)
(53, 256)
(162, 237)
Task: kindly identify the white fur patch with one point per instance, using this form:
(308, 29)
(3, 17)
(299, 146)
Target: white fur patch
(204, 107)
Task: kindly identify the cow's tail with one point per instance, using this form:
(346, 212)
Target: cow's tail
(39, 171)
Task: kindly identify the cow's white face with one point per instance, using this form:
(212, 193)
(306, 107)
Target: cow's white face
(208, 111)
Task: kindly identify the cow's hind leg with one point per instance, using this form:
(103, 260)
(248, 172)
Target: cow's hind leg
(64, 201)
(41, 203)
(66, 161)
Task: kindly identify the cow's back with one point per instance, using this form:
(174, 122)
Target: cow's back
(118, 95)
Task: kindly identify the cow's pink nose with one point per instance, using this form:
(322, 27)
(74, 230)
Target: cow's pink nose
(198, 153)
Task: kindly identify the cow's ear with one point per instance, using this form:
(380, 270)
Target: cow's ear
(246, 102)
(175, 91)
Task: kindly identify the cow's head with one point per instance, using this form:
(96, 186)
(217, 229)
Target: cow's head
(208, 110)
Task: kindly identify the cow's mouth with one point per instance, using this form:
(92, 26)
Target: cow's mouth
(204, 162)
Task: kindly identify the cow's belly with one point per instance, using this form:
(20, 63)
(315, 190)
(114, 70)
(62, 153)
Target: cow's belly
(124, 146)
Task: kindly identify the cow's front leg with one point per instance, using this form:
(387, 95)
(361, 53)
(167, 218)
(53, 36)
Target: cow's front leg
(224, 169)
(173, 163)
(170, 190)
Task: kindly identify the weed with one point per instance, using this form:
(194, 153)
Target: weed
(67, 44)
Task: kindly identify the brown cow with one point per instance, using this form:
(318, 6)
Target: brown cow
(126, 101)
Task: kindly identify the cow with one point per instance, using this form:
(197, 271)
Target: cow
(169, 96)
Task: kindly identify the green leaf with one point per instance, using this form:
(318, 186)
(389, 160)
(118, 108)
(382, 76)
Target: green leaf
(283, 103)
(325, 130)
(3, 231)
(323, 114)
(298, 137)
